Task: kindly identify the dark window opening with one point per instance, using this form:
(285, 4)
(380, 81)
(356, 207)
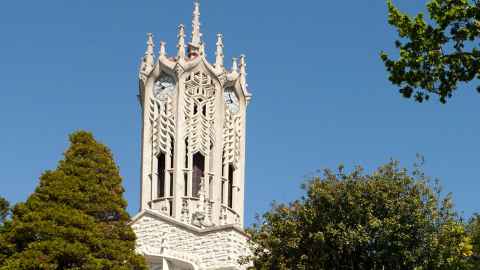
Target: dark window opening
(161, 175)
(231, 171)
(172, 152)
(186, 153)
(171, 184)
(223, 195)
(171, 207)
(185, 182)
(198, 174)
(195, 109)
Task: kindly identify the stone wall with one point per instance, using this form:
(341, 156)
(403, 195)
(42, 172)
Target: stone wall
(159, 236)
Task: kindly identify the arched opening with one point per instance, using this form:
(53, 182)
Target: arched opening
(161, 175)
(172, 164)
(186, 153)
(172, 152)
(198, 173)
(231, 171)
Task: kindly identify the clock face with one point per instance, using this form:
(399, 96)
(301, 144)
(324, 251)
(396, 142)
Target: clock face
(231, 100)
(164, 86)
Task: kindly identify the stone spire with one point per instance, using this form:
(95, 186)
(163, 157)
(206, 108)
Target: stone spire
(219, 54)
(163, 50)
(181, 42)
(243, 70)
(196, 32)
(235, 65)
(196, 45)
(149, 58)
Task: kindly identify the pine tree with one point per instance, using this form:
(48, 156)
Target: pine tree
(76, 218)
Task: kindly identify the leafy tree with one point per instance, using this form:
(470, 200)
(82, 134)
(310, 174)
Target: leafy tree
(474, 231)
(387, 220)
(438, 54)
(76, 218)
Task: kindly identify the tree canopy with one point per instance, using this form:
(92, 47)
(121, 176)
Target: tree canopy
(474, 231)
(438, 54)
(387, 220)
(4, 209)
(76, 218)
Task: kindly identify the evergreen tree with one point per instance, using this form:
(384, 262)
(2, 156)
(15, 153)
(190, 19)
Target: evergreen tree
(4, 210)
(76, 218)
(4, 224)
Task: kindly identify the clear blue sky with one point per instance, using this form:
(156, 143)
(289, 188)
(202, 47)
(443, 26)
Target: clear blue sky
(321, 94)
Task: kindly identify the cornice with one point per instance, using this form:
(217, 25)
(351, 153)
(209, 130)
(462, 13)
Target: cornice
(188, 227)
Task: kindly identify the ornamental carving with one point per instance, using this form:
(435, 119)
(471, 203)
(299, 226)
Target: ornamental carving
(200, 112)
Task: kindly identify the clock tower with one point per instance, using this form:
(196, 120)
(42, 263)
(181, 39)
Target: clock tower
(193, 156)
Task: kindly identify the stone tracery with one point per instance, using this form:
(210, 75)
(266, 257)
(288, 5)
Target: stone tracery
(199, 112)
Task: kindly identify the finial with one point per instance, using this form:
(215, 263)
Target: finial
(150, 44)
(149, 57)
(196, 33)
(235, 65)
(243, 70)
(163, 50)
(243, 64)
(181, 42)
(219, 53)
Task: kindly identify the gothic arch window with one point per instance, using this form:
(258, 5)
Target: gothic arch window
(172, 152)
(185, 184)
(161, 158)
(186, 153)
(223, 193)
(231, 173)
(198, 173)
(172, 164)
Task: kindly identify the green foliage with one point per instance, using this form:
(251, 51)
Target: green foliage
(435, 55)
(387, 220)
(4, 210)
(4, 225)
(76, 218)
(474, 232)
